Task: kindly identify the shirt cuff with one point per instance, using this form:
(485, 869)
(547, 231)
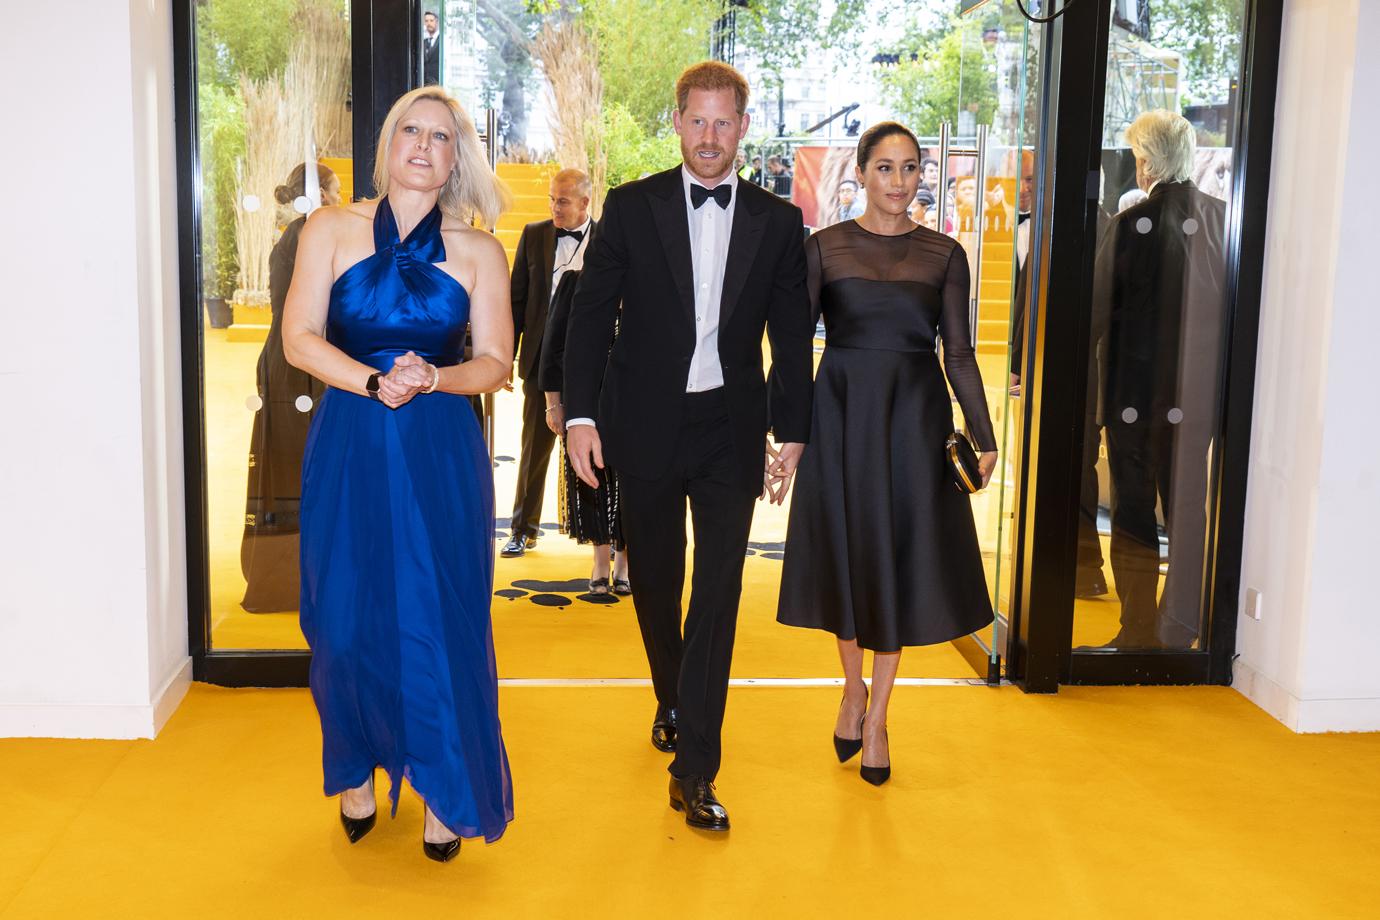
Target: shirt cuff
(572, 422)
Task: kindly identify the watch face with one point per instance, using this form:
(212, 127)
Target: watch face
(372, 384)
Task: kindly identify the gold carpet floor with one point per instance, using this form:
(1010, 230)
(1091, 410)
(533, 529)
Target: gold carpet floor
(1098, 803)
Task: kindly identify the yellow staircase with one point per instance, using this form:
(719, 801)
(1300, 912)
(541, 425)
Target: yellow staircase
(530, 184)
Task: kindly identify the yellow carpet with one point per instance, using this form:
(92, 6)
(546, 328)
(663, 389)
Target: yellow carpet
(1100, 803)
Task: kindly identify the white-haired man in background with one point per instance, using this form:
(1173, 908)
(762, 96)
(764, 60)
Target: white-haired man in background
(1159, 307)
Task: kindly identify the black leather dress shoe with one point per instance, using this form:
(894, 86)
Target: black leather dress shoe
(356, 828)
(441, 852)
(664, 730)
(518, 545)
(694, 795)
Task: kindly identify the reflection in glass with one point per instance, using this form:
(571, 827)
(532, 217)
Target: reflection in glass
(1158, 313)
(273, 83)
(269, 549)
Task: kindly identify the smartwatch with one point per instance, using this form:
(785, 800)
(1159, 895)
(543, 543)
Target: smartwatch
(371, 386)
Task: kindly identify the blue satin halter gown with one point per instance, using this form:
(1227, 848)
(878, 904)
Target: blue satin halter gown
(397, 551)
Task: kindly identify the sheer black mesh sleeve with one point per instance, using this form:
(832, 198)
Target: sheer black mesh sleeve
(960, 364)
(813, 276)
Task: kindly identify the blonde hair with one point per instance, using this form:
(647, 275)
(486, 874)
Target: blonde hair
(471, 190)
(1165, 141)
(711, 76)
(575, 178)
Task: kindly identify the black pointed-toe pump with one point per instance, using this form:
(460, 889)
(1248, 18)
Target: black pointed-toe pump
(356, 828)
(441, 852)
(877, 775)
(848, 748)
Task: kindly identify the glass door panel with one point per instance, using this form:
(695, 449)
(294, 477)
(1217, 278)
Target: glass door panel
(275, 142)
(1158, 325)
(989, 194)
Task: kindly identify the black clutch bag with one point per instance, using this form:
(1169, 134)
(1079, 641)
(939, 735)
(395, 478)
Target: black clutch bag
(963, 463)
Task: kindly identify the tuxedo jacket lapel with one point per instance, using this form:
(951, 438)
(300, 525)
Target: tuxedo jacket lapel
(668, 210)
(749, 223)
(548, 261)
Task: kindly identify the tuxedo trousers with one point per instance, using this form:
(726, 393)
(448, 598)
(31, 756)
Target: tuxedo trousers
(690, 667)
(535, 457)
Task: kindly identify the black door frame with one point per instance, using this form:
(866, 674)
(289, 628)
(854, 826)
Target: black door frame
(385, 36)
(1041, 654)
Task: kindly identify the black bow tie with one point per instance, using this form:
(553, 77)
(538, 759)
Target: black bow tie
(576, 235)
(1022, 217)
(723, 194)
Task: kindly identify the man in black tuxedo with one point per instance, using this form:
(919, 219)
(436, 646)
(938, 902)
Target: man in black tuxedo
(546, 250)
(1159, 308)
(431, 49)
(701, 263)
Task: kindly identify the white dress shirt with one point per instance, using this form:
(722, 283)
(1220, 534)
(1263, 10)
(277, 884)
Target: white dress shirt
(710, 229)
(570, 255)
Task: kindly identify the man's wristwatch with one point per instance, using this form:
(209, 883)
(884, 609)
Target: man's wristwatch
(371, 386)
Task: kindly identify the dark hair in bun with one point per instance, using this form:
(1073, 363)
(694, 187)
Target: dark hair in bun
(878, 133)
(296, 185)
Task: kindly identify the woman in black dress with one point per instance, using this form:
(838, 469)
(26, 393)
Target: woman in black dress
(269, 547)
(588, 515)
(881, 548)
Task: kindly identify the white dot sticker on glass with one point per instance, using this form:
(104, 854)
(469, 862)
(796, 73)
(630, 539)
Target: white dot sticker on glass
(1175, 415)
(1190, 226)
(301, 204)
(1144, 225)
(1129, 415)
(250, 203)
(254, 403)
(303, 403)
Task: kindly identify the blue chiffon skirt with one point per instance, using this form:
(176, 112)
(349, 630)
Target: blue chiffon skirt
(397, 574)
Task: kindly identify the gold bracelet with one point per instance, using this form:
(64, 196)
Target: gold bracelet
(435, 379)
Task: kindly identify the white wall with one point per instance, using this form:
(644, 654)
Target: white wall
(1313, 507)
(93, 616)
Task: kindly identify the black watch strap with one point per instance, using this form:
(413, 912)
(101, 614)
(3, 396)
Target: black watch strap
(371, 386)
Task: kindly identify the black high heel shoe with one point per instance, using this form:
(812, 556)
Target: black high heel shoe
(848, 748)
(356, 828)
(877, 775)
(441, 852)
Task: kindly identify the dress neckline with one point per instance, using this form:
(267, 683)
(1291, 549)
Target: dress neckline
(885, 236)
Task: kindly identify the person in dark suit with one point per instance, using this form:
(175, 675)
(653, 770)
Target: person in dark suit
(1159, 306)
(701, 263)
(546, 250)
(1089, 578)
(431, 49)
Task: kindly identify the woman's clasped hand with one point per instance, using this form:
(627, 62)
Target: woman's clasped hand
(409, 376)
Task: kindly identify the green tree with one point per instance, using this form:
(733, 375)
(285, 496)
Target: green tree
(782, 34)
(630, 150)
(940, 72)
(643, 47)
(1208, 35)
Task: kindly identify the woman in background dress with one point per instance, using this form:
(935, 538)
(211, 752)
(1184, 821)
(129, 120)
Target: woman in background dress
(269, 548)
(397, 488)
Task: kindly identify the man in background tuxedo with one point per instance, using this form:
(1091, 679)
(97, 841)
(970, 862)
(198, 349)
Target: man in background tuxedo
(1158, 313)
(431, 49)
(546, 250)
(701, 263)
